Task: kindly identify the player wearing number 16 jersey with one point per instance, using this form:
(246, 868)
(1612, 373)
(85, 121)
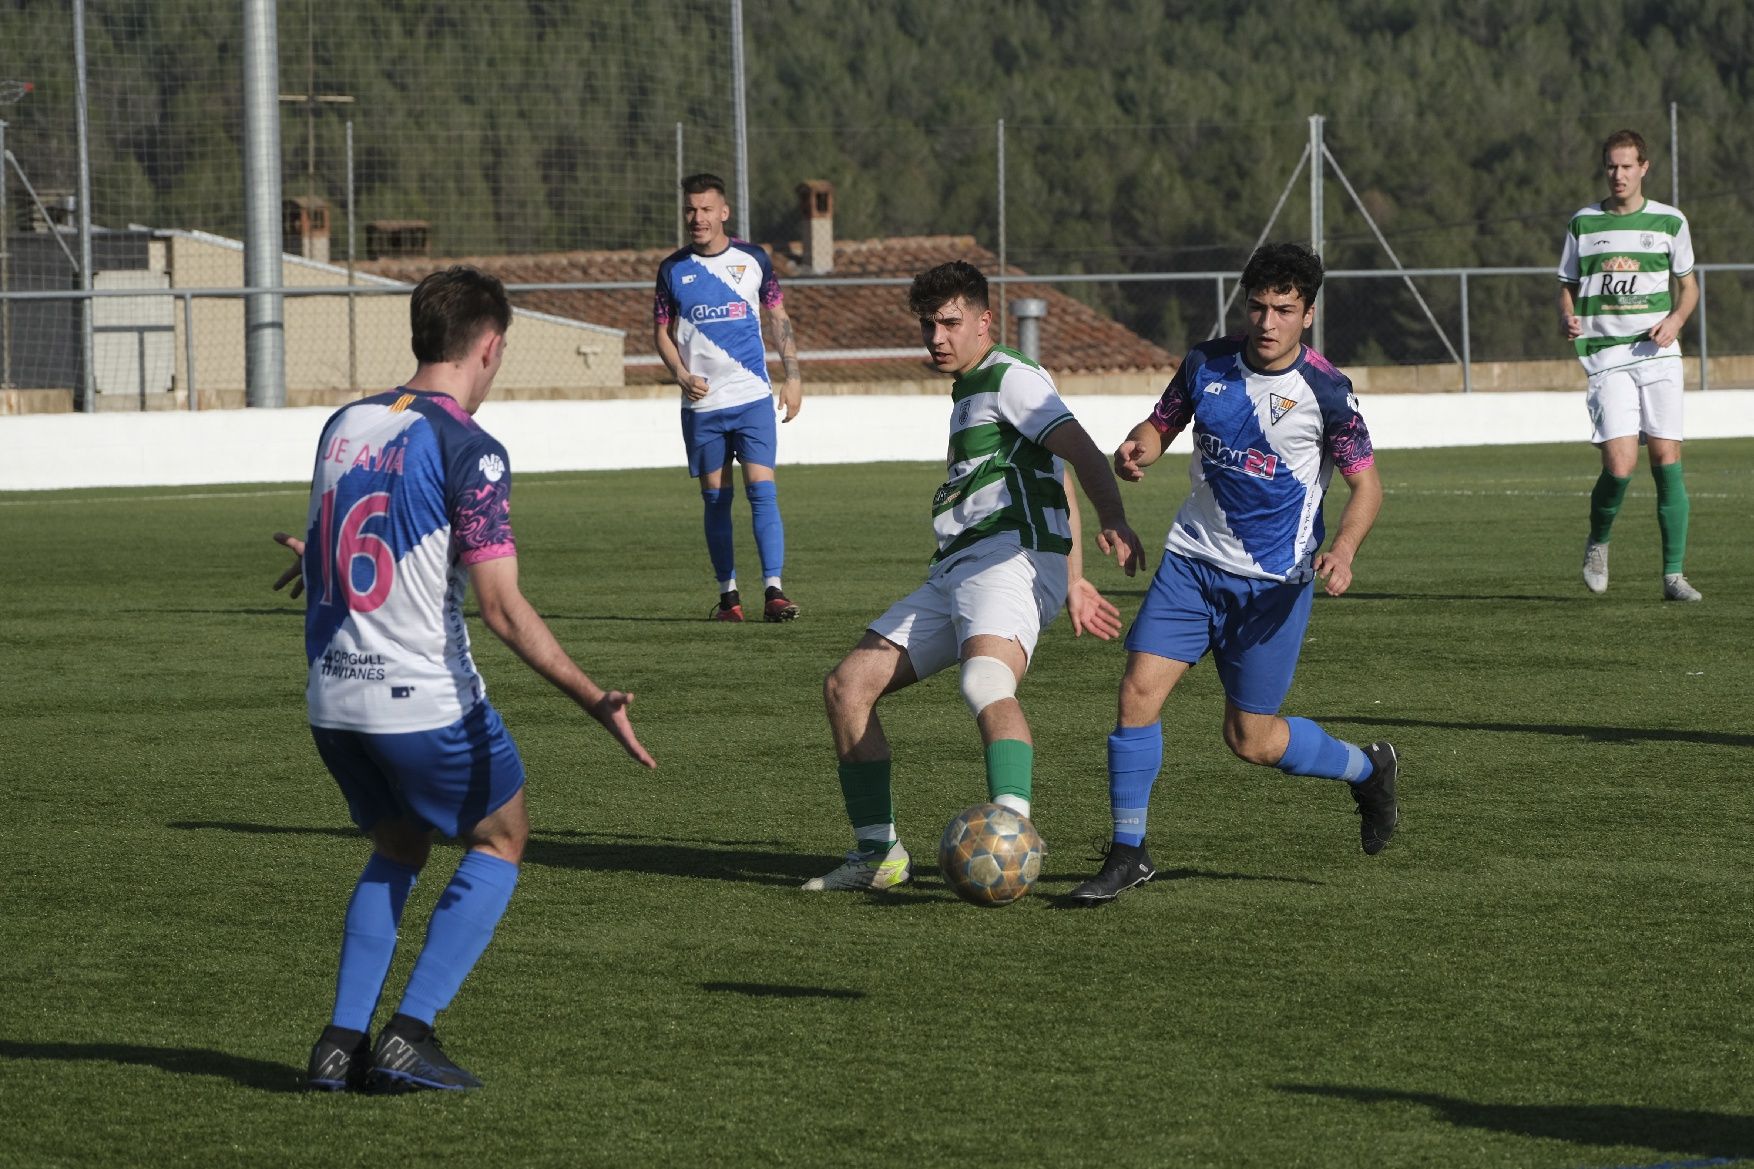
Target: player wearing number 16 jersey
(410, 502)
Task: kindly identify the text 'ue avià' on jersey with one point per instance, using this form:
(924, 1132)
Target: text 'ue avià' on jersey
(1621, 265)
(1001, 480)
(714, 304)
(1265, 446)
(408, 492)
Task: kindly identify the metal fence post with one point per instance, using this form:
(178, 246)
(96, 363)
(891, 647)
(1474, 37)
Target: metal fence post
(1467, 354)
(189, 349)
(1704, 372)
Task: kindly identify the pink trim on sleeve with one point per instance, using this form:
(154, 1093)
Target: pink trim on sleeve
(490, 552)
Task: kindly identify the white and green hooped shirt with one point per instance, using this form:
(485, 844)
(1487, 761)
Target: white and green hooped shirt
(1000, 479)
(1622, 265)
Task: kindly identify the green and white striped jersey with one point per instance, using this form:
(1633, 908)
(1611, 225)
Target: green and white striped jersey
(1622, 265)
(1000, 479)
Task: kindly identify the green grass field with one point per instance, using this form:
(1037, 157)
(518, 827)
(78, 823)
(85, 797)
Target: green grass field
(1549, 967)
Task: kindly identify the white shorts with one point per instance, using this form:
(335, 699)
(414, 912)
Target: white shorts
(996, 588)
(1642, 399)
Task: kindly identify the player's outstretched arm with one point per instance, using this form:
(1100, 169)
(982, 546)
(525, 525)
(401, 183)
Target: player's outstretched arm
(1142, 447)
(1334, 566)
(294, 573)
(1088, 608)
(1071, 442)
(515, 621)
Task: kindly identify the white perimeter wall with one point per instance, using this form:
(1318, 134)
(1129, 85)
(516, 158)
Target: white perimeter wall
(44, 451)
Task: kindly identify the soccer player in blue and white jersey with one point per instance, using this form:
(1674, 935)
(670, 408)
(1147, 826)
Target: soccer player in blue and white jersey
(1616, 306)
(410, 502)
(1272, 420)
(707, 330)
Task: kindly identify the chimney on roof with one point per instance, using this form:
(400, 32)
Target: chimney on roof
(816, 201)
(304, 227)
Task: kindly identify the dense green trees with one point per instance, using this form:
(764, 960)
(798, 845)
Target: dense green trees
(1140, 135)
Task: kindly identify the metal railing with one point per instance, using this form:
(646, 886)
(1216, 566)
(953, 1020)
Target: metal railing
(1223, 292)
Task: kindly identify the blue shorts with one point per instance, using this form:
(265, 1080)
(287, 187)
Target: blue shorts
(1254, 628)
(747, 433)
(450, 779)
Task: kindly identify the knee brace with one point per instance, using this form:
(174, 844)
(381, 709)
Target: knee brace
(986, 681)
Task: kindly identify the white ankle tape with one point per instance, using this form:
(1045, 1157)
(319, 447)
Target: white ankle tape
(986, 681)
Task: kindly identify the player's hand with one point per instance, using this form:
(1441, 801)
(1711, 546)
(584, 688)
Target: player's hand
(1665, 331)
(1122, 542)
(1091, 612)
(1127, 462)
(695, 386)
(1571, 327)
(792, 398)
(611, 711)
(295, 572)
(1334, 570)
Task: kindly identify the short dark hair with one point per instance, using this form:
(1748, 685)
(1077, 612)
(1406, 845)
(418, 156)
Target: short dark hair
(449, 310)
(1621, 138)
(937, 287)
(703, 182)
(1284, 268)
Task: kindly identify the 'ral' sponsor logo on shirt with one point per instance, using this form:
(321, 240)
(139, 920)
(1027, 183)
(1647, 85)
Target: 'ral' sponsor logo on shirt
(493, 467)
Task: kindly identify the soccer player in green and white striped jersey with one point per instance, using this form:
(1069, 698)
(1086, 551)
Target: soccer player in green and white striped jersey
(1007, 559)
(1621, 259)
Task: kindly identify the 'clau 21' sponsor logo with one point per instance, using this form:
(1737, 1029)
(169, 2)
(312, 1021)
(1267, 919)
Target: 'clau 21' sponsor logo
(1249, 462)
(706, 314)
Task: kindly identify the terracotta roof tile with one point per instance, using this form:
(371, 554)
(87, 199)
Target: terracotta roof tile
(1075, 337)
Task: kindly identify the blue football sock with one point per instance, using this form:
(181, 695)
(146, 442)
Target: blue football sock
(719, 544)
(1312, 751)
(368, 940)
(1135, 754)
(770, 533)
(462, 925)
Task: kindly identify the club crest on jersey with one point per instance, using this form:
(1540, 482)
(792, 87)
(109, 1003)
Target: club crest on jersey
(737, 270)
(1647, 241)
(1277, 404)
(493, 467)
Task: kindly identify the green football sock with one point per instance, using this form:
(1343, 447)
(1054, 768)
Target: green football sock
(1605, 505)
(870, 806)
(1010, 769)
(1673, 509)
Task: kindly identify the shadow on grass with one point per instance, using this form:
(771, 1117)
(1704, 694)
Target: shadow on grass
(264, 829)
(770, 990)
(1539, 598)
(183, 1061)
(1561, 730)
(1713, 1134)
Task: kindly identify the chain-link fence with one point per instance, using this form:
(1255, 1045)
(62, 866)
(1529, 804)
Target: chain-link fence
(545, 137)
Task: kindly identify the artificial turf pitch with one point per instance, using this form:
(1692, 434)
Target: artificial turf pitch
(1549, 966)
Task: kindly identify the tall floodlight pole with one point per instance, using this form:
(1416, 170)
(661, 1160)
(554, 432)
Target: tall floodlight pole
(1316, 213)
(738, 81)
(1674, 156)
(264, 326)
(999, 165)
(87, 375)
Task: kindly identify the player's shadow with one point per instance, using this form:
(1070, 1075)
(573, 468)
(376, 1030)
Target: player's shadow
(1561, 730)
(1668, 1130)
(1565, 598)
(259, 1074)
(761, 862)
(264, 829)
(1065, 900)
(770, 990)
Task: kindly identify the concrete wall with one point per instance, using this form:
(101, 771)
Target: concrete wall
(42, 451)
